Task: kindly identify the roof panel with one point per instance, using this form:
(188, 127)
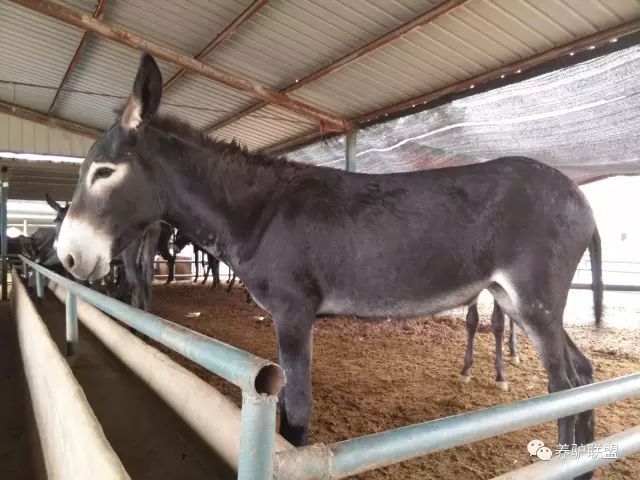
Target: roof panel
(473, 39)
(105, 68)
(203, 101)
(35, 50)
(265, 127)
(288, 40)
(184, 26)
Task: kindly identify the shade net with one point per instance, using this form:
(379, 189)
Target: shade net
(582, 119)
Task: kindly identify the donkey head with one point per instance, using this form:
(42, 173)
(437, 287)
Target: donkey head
(118, 193)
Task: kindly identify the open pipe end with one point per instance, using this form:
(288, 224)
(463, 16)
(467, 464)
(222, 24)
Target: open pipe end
(269, 380)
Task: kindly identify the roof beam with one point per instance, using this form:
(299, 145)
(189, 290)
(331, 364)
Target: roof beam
(221, 37)
(97, 13)
(131, 40)
(582, 44)
(420, 21)
(48, 120)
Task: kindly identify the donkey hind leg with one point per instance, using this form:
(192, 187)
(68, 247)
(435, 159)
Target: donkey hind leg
(582, 375)
(542, 320)
(497, 325)
(472, 321)
(171, 266)
(231, 282)
(513, 343)
(294, 329)
(197, 263)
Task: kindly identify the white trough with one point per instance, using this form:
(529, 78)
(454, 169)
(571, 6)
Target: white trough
(72, 441)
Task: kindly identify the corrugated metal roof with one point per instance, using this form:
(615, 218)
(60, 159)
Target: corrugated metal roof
(265, 127)
(18, 135)
(282, 42)
(104, 68)
(34, 50)
(473, 39)
(30, 180)
(287, 40)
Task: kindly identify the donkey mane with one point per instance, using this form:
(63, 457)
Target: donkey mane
(238, 155)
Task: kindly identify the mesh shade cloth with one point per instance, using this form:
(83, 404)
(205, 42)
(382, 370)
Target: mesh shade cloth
(582, 119)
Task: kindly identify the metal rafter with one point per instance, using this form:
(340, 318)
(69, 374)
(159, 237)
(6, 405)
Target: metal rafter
(49, 120)
(97, 13)
(221, 37)
(131, 40)
(376, 44)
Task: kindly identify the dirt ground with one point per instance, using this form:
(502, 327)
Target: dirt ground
(370, 376)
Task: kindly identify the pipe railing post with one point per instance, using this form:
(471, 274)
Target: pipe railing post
(71, 323)
(257, 436)
(39, 285)
(351, 150)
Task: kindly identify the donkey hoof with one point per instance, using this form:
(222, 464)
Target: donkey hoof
(504, 386)
(465, 378)
(515, 359)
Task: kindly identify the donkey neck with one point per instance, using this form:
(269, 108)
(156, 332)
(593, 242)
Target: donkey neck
(217, 195)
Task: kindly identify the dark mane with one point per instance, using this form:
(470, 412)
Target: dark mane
(182, 130)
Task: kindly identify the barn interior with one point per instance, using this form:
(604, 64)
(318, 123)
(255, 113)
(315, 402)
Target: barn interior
(369, 86)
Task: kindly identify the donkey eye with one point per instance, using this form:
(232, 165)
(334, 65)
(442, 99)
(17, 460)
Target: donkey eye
(102, 172)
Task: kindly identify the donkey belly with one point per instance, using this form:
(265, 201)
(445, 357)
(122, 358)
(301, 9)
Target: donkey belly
(393, 303)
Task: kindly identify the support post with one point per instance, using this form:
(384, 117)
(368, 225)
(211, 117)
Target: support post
(39, 284)
(4, 195)
(25, 227)
(72, 323)
(257, 436)
(350, 153)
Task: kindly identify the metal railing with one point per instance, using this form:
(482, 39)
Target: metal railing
(338, 460)
(259, 379)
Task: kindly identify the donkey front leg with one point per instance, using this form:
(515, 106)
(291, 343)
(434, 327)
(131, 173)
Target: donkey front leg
(171, 263)
(295, 337)
(472, 326)
(497, 325)
(513, 344)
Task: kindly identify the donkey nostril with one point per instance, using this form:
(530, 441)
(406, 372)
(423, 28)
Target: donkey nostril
(70, 261)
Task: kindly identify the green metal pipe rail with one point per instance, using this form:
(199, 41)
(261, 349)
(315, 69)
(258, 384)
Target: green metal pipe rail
(338, 460)
(259, 379)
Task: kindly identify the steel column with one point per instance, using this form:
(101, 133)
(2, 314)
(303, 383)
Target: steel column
(72, 323)
(257, 436)
(39, 284)
(350, 153)
(4, 195)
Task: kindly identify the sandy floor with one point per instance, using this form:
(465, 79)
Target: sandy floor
(370, 376)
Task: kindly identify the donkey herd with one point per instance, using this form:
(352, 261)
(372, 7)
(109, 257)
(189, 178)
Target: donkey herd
(309, 241)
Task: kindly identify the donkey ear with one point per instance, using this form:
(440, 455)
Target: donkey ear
(144, 100)
(52, 203)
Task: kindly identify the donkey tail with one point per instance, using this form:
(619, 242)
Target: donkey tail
(595, 255)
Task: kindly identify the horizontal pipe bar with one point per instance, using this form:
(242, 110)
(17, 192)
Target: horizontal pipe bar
(361, 454)
(613, 288)
(237, 366)
(211, 414)
(560, 468)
